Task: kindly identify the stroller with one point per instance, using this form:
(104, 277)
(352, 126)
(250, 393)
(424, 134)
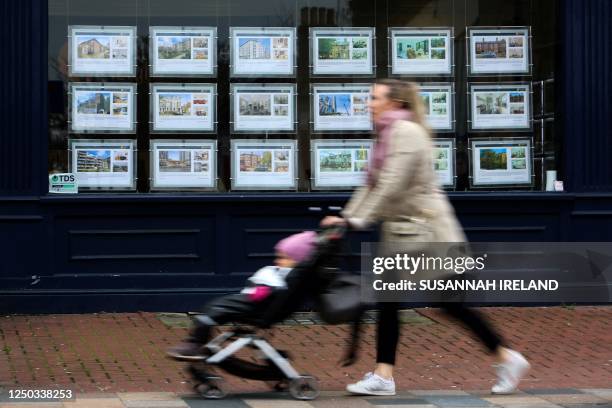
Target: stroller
(336, 296)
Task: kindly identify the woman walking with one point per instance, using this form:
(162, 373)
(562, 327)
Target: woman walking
(402, 192)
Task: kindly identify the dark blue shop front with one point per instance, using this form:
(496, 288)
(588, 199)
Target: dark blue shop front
(150, 249)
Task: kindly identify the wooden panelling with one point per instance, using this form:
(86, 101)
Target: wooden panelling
(106, 244)
(23, 248)
(23, 75)
(253, 238)
(586, 86)
(120, 245)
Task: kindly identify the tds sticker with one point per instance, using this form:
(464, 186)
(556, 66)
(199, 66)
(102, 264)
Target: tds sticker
(63, 183)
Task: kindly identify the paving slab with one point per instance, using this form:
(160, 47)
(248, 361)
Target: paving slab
(600, 392)
(407, 406)
(554, 391)
(155, 404)
(94, 403)
(457, 401)
(266, 403)
(562, 399)
(147, 396)
(434, 393)
(32, 405)
(397, 401)
(340, 402)
(606, 405)
(197, 402)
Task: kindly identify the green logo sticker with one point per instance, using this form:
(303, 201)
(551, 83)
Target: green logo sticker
(63, 183)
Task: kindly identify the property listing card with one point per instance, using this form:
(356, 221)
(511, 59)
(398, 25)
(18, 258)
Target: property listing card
(183, 107)
(103, 164)
(342, 51)
(499, 50)
(340, 107)
(182, 51)
(263, 107)
(102, 107)
(438, 102)
(500, 106)
(180, 164)
(501, 162)
(263, 164)
(262, 51)
(421, 51)
(340, 163)
(102, 51)
(444, 161)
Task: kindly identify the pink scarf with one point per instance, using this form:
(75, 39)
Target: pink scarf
(383, 127)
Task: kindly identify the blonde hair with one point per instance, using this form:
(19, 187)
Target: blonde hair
(407, 95)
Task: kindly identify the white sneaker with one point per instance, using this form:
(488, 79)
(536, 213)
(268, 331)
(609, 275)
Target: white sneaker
(510, 373)
(372, 384)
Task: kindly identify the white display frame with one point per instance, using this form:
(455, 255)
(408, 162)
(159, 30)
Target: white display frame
(351, 180)
(80, 67)
(77, 121)
(446, 178)
(156, 120)
(476, 178)
(448, 88)
(368, 68)
(422, 67)
(107, 181)
(503, 66)
(254, 69)
(185, 180)
(478, 122)
(349, 125)
(262, 123)
(191, 67)
(240, 182)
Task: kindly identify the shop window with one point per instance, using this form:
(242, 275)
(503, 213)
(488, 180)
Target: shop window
(233, 95)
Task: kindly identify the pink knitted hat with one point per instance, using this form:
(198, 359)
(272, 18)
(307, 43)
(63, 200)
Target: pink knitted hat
(298, 246)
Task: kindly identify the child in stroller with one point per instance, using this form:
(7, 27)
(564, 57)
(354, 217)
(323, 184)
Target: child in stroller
(304, 269)
(251, 302)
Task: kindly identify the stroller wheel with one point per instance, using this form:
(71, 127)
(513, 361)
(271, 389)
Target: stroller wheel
(304, 387)
(211, 389)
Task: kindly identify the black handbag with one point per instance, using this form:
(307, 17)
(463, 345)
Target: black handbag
(340, 300)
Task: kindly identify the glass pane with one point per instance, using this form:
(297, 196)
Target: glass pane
(456, 16)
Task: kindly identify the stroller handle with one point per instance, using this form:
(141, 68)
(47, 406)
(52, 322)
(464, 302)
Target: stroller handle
(334, 232)
(331, 232)
(333, 208)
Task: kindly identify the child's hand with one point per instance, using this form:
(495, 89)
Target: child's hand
(260, 293)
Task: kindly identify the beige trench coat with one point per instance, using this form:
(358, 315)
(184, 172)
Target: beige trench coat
(407, 198)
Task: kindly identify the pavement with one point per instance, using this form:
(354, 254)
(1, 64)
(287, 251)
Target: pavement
(551, 398)
(117, 360)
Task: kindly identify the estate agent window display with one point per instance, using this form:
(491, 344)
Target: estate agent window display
(183, 78)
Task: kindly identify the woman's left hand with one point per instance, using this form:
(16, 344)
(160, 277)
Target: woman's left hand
(332, 220)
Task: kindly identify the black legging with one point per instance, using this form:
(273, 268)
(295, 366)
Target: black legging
(387, 331)
(237, 308)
